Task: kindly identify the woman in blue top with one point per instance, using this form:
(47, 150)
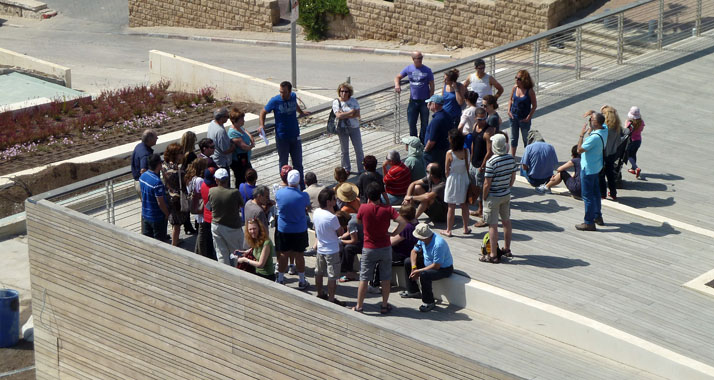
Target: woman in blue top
(521, 107)
(244, 144)
(453, 94)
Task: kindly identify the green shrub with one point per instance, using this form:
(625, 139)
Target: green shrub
(312, 16)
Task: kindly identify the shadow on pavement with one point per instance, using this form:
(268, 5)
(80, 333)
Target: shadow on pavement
(550, 262)
(640, 229)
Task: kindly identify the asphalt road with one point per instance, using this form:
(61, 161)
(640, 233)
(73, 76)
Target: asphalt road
(88, 37)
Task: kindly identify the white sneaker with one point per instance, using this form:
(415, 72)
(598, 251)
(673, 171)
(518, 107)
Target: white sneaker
(292, 270)
(542, 189)
(373, 290)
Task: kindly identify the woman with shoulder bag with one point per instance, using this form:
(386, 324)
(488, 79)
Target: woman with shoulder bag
(347, 113)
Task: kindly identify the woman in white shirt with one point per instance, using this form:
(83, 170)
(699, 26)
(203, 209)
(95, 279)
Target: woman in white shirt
(482, 83)
(346, 110)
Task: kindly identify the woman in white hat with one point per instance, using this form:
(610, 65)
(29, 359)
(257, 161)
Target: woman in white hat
(635, 124)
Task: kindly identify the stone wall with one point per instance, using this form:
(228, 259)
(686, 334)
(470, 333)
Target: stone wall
(471, 23)
(251, 15)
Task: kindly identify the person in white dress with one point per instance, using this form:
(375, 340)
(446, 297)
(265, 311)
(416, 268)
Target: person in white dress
(482, 83)
(457, 181)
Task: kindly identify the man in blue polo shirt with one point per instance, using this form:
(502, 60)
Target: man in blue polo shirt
(154, 209)
(430, 260)
(291, 234)
(591, 149)
(287, 129)
(436, 140)
(539, 159)
(421, 87)
(140, 156)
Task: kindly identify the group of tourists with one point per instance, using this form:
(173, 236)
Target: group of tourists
(459, 157)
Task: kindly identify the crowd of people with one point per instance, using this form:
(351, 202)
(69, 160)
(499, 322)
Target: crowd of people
(459, 158)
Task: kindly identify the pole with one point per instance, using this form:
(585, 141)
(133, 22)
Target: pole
(293, 52)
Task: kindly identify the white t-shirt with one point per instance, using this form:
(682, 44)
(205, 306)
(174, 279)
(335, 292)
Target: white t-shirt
(481, 86)
(326, 226)
(468, 118)
(349, 105)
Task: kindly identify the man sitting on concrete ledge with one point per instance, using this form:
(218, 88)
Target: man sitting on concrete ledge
(428, 194)
(430, 260)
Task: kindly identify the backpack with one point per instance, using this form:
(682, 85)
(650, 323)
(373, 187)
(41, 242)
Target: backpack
(486, 247)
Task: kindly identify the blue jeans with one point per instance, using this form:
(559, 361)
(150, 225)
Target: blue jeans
(354, 134)
(535, 182)
(292, 147)
(425, 279)
(518, 126)
(417, 109)
(590, 188)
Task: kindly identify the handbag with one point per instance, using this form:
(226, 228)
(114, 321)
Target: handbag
(331, 125)
(185, 204)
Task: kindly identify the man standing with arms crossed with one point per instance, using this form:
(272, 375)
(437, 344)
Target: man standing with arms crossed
(421, 88)
(591, 151)
(287, 129)
(223, 146)
(225, 204)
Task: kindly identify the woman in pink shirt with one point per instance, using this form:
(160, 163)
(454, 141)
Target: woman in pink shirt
(635, 124)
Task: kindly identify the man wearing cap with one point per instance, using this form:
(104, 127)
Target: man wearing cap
(427, 194)
(480, 153)
(421, 87)
(291, 233)
(287, 129)
(539, 159)
(436, 140)
(225, 204)
(499, 176)
(415, 157)
(223, 147)
(591, 161)
(351, 241)
(154, 208)
(430, 260)
(397, 178)
(204, 239)
(140, 156)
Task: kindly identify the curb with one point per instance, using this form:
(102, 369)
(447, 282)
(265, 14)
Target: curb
(302, 45)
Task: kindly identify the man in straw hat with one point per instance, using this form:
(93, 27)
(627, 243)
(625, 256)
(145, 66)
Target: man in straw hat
(499, 177)
(430, 260)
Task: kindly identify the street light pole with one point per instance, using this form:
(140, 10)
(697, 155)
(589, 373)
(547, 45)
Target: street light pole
(294, 15)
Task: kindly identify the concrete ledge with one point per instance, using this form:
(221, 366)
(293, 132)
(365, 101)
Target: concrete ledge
(12, 226)
(189, 75)
(13, 59)
(30, 5)
(570, 328)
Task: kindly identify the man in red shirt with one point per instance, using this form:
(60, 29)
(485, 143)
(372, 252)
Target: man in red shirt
(397, 178)
(204, 240)
(377, 248)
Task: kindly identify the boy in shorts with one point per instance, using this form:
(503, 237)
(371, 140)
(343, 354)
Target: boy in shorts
(327, 231)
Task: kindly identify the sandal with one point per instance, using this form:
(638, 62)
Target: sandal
(507, 253)
(476, 214)
(481, 224)
(484, 259)
(385, 309)
(360, 310)
(346, 279)
(494, 260)
(467, 231)
(445, 233)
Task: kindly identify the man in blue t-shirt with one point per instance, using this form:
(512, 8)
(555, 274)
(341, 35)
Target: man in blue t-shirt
(154, 208)
(430, 260)
(291, 233)
(436, 140)
(539, 159)
(421, 86)
(287, 129)
(591, 150)
(140, 156)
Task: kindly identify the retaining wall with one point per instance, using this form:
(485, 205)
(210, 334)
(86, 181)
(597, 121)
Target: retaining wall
(27, 63)
(189, 75)
(111, 303)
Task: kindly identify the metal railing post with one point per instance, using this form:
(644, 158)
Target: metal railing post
(660, 24)
(111, 201)
(397, 115)
(492, 62)
(106, 201)
(578, 50)
(698, 21)
(536, 65)
(620, 37)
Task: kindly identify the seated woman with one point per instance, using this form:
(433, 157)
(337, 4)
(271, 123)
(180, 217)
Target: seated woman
(572, 182)
(256, 238)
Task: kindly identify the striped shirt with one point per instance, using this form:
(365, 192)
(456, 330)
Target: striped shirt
(499, 169)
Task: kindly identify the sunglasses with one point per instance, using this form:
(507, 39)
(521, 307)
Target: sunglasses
(418, 58)
(481, 118)
(481, 68)
(347, 91)
(518, 79)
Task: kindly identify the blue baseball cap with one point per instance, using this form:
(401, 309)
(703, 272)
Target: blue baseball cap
(436, 98)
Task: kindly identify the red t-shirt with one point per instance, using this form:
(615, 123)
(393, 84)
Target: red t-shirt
(207, 214)
(397, 179)
(375, 221)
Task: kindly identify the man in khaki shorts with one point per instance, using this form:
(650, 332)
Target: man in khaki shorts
(327, 231)
(499, 176)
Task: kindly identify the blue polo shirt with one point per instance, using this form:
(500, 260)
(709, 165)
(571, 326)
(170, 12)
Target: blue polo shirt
(286, 124)
(151, 187)
(291, 210)
(437, 251)
(438, 130)
(541, 159)
(591, 159)
(140, 159)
